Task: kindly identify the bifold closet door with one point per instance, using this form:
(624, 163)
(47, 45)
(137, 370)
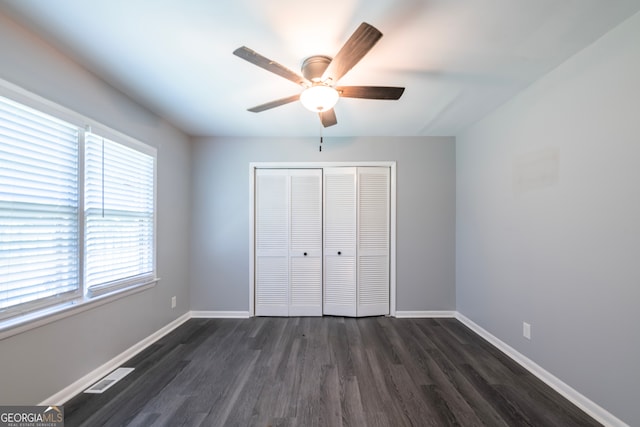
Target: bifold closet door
(288, 246)
(356, 241)
(305, 243)
(272, 242)
(373, 241)
(340, 216)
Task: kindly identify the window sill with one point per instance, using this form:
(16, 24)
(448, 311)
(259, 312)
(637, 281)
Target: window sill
(18, 325)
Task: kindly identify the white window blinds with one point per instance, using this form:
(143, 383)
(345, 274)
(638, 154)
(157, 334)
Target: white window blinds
(119, 208)
(39, 258)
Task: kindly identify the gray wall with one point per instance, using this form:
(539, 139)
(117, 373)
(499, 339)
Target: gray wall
(548, 222)
(36, 364)
(425, 213)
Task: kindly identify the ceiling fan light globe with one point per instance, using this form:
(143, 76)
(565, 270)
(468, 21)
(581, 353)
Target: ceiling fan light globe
(319, 98)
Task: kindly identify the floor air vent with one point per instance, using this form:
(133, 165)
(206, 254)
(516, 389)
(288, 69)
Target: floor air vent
(109, 380)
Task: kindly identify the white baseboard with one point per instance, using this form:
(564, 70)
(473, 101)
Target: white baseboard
(424, 314)
(80, 385)
(83, 383)
(221, 314)
(593, 409)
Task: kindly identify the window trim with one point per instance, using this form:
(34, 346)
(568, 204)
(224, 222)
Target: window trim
(35, 317)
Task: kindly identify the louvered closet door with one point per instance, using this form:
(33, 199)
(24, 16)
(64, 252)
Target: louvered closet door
(305, 251)
(272, 242)
(373, 241)
(340, 241)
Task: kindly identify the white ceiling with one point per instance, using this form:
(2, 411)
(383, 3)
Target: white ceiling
(458, 59)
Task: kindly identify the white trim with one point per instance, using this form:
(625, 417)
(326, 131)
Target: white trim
(24, 323)
(585, 404)
(317, 165)
(61, 112)
(391, 164)
(252, 238)
(431, 314)
(392, 243)
(220, 314)
(86, 381)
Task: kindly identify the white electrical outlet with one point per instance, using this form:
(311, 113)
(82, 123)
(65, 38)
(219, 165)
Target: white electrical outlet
(526, 330)
(173, 302)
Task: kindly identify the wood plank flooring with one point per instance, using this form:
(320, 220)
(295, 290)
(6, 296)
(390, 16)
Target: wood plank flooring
(327, 371)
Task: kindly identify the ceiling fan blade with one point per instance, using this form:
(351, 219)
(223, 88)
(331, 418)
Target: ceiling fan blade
(328, 118)
(360, 42)
(273, 104)
(269, 65)
(370, 92)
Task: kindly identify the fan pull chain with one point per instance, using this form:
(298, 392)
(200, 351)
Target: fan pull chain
(320, 143)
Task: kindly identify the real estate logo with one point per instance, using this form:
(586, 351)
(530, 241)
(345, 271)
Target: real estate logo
(31, 416)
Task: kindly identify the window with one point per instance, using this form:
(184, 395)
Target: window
(77, 210)
(119, 215)
(39, 260)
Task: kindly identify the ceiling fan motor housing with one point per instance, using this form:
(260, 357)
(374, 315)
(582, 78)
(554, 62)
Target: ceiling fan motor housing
(313, 67)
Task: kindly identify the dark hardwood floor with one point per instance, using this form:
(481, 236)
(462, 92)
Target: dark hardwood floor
(328, 371)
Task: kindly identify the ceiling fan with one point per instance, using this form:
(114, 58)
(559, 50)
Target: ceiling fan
(321, 73)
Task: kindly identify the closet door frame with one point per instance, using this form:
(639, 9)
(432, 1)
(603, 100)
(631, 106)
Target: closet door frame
(320, 165)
